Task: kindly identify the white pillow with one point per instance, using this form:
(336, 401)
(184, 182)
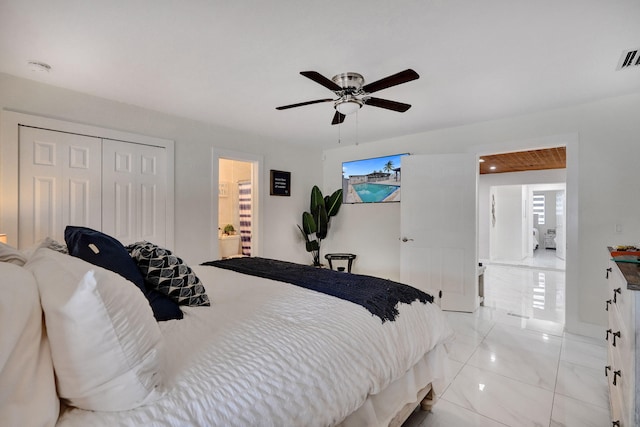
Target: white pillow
(105, 343)
(27, 385)
(12, 255)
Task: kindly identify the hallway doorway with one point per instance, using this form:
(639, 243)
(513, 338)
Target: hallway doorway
(521, 218)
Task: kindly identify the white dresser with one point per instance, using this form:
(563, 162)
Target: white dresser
(623, 307)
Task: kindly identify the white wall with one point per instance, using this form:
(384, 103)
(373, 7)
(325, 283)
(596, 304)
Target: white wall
(602, 161)
(486, 181)
(195, 204)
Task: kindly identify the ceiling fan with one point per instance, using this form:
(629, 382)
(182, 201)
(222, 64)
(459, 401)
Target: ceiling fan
(352, 93)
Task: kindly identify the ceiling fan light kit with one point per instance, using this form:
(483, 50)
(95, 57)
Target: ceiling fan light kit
(352, 93)
(349, 105)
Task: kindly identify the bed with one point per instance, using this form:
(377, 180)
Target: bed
(263, 352)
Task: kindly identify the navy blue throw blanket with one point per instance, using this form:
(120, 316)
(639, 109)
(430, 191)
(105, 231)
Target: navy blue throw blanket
(379, 296)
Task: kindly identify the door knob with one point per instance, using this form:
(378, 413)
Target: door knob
(404, 239)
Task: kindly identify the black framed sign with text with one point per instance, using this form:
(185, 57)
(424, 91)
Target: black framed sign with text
(280, 183)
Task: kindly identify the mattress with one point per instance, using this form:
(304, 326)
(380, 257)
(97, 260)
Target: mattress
(267, 353)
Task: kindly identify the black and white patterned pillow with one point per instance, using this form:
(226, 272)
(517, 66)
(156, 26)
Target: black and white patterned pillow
(168, 274)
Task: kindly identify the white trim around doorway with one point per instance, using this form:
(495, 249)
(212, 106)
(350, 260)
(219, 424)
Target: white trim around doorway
(258, 170)
(573, 323)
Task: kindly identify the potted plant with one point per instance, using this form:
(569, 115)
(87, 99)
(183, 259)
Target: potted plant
(229, 230)
(315, 223)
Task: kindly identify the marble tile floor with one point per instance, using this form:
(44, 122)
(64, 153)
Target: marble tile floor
(542, 258)
(512, 364)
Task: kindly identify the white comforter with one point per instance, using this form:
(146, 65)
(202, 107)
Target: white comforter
(273, 354)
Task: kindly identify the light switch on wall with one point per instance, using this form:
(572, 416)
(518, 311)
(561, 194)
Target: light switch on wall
(618, 228)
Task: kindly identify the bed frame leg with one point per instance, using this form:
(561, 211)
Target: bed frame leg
(429, 400)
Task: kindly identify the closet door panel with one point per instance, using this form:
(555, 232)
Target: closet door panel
(81, 185)
(134, 192)
(118, 190)
(59, 175)
(153, 194)
(79, 196)
(148, 202)
(122, 208)
(42, 210)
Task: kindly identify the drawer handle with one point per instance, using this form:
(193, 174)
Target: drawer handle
(616, 374)
(606, 370)
(615, 292)
(608, 271)
(608, 332)
(615, 334)
(607, 307)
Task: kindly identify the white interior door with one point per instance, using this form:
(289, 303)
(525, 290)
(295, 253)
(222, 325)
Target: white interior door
(134, 192)
(59, 183)
(438, 227)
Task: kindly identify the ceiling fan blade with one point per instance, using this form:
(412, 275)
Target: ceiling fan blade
(320, 79)
(396, 79)
(389, 105)
(317, 101)
(338, 118)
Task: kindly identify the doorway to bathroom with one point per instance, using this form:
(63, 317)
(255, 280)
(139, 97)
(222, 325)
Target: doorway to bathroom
(237, 206)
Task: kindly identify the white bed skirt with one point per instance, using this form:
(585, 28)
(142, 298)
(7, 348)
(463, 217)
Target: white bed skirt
(379, 409)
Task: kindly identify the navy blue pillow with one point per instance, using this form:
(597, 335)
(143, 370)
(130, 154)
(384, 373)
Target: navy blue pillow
(164, 308)
(104, 251)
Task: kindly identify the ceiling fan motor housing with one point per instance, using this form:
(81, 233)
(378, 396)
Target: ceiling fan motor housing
(351, 82)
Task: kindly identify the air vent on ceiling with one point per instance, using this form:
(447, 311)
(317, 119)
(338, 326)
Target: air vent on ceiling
(628, 59)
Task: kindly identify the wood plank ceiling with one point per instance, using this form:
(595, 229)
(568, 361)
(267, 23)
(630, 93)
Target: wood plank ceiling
(549, 158)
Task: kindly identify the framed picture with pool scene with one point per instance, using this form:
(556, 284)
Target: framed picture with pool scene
(374, 180)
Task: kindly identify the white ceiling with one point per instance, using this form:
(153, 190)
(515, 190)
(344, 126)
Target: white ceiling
(231, 63)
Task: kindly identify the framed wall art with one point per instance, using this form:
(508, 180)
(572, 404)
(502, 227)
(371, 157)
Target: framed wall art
(280, 183)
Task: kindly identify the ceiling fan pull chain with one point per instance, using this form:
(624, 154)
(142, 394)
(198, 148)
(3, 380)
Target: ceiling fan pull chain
(357, 138)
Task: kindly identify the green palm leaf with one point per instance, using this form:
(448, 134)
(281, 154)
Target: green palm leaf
(333, 203)
(316, 199)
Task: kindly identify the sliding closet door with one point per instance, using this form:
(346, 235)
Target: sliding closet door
(134, 192)
(60, 183)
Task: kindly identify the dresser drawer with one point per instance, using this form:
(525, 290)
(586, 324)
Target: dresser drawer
(620, 338)
(618, 383)
(621, 297)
